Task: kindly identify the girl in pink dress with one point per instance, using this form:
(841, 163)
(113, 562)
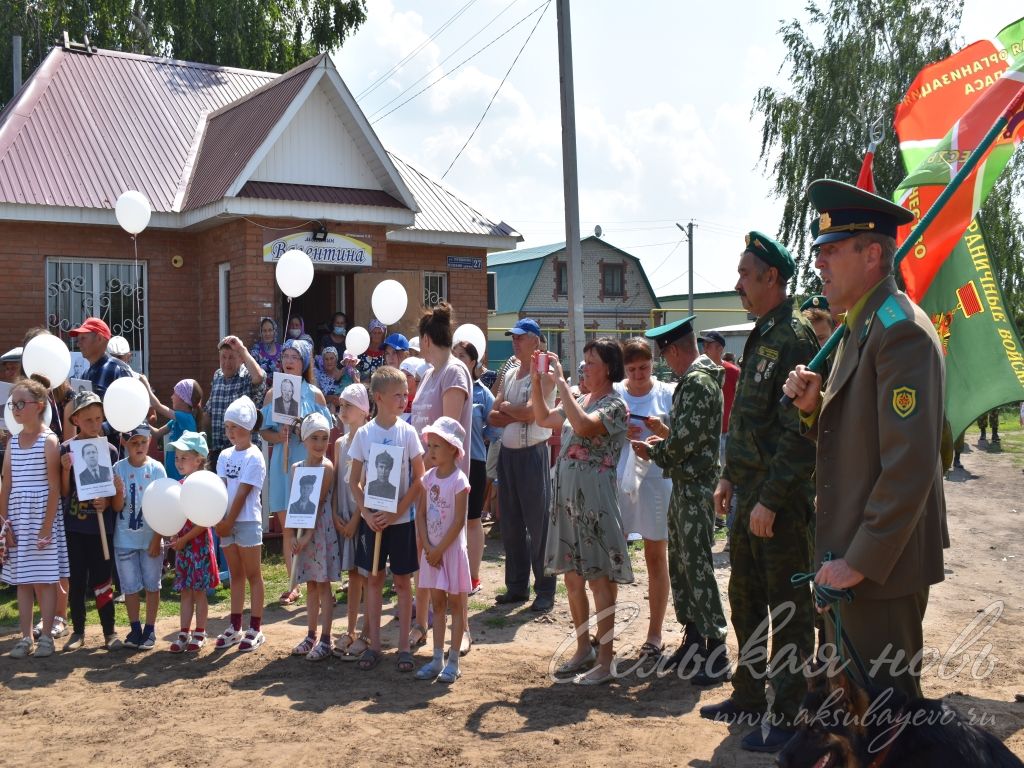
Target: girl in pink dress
(441, 527)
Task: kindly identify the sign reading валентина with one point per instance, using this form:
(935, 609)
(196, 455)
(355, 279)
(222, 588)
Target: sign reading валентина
(336, 250)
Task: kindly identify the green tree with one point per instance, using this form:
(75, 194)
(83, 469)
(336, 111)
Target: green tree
(270, 35)
(849, 65)
(1004, 234)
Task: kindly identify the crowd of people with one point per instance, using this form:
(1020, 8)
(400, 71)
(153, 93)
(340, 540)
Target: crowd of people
(422, 422)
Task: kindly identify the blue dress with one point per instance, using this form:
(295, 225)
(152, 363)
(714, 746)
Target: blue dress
(183, 422)
(278, 472)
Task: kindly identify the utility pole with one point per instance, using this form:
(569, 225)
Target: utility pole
(573, 249)
(688, 231)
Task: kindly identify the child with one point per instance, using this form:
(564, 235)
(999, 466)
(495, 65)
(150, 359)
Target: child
(354, 409)
(37, 556)
(185, 415)
(441, 525)
(398, 531)
(195, 565)
(317, 560)
(138, 549)
(83, 523)
(241, 530)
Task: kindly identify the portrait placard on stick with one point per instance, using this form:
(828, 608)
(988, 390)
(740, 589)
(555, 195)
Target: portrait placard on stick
(307, 484)
(287, 391)
(90, 461)
(383, 475)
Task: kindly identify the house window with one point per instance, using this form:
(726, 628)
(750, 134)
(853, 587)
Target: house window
(435, 288)
(612, 283)
(114, 291)
(561, 278)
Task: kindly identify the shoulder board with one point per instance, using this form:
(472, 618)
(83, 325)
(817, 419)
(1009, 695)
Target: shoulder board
(891, 312)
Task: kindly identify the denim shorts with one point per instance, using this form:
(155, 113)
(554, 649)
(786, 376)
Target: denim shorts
(247, 533)
(138, 571)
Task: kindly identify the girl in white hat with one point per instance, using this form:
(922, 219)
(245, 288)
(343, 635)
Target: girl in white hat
(441, 525)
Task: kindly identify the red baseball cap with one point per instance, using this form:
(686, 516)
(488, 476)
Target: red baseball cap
(92, 325)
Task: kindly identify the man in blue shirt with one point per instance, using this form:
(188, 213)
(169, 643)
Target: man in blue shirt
(104, 370)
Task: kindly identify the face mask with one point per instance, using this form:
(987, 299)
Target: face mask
(294, 332)
(339, 330)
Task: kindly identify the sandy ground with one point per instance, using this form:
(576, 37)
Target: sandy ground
(267, 708)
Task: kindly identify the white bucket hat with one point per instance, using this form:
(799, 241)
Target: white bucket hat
(449, 430)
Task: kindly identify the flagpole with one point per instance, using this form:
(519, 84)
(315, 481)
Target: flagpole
(940, 202)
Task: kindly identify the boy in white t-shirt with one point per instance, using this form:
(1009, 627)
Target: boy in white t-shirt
(397, 529)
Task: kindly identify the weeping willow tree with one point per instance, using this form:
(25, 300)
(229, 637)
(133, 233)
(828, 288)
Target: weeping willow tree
(849, 63)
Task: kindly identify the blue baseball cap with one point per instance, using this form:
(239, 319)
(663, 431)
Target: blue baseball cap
(526, 325)
(397, 342)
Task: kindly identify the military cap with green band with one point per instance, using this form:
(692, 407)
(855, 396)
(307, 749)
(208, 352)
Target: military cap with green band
(846, 211)
(772, 253)
(665, 334)
(815, 302)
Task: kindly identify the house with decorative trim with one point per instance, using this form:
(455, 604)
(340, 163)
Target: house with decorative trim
(238, 166)
(533, 282)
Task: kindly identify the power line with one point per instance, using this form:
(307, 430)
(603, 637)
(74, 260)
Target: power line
(409, 57)
(665, 260)
(496, 91)
(455, 69)
(443, 61)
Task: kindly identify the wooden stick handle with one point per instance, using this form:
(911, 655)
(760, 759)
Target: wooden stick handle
(376, 552)
(103, 536)
(295, 559)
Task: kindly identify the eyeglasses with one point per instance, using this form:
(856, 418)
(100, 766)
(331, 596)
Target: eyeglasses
(19, 405)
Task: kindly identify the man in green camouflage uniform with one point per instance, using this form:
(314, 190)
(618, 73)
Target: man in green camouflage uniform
(769, 467)
(689, 455)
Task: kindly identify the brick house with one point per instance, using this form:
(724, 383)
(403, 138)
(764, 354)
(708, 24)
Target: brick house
(533, 282)
(238, 166)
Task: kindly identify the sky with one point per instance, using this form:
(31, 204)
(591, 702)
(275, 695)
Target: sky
(664, 129)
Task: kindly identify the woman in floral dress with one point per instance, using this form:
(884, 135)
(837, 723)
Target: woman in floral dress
(585, 540)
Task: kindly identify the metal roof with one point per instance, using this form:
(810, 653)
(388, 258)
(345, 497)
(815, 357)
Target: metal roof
(233, 134)
(523, 254)
(442, 211)
(88, 125)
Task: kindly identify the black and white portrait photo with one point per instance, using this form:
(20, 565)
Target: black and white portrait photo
(287, 391)
(383, 473)
(90, 461)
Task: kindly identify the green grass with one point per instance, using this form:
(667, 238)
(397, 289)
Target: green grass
(275, 579)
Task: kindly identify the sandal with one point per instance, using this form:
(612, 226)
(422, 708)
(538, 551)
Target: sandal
(179, 645)
(449, 674)
(405, 662)
(60, 627)
(466, 645)
(573, 667)
(229, 637)
(303, 648)
(252, 640)
(342, 646)
(289, 598)
(22, 648)
(369, 659)
(421, 640)
(321, 651)
(650, 651)
(356, 649)
(198, 641)
(44, 647)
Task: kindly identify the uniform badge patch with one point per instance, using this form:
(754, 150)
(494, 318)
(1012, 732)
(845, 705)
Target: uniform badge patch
(904, 401)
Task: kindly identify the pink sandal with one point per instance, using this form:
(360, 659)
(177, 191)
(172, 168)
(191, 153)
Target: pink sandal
(179, 645)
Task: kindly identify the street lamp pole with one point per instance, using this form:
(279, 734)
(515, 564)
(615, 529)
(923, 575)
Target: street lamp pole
(688, 231)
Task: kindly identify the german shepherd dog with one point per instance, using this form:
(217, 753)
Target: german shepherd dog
(841, 725)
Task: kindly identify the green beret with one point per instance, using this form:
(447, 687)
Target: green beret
(845, 211)
(664, 335)
(815, 302)
(772, 253)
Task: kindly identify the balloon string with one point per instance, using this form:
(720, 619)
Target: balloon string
(287, 319)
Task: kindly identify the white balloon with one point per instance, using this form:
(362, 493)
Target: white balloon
(389, 301)
(294, 273)
(132, 210)
(126, 403)
(161, 506)
(472, 334)
(204, 498)
(13, 426)
(357, 340)
(47, 356)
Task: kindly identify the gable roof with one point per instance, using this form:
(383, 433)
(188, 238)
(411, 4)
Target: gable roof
(517, 271)
(87, 126)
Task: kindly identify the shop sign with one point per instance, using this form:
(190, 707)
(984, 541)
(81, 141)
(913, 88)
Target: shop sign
(336, 250)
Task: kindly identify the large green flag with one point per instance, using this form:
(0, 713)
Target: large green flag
(984, 356)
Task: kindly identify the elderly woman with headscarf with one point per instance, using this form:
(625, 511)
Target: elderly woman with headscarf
(373, 357)
(297, 330)
(267, 351)
(332, 377)
(296, 359)
(335, 336)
